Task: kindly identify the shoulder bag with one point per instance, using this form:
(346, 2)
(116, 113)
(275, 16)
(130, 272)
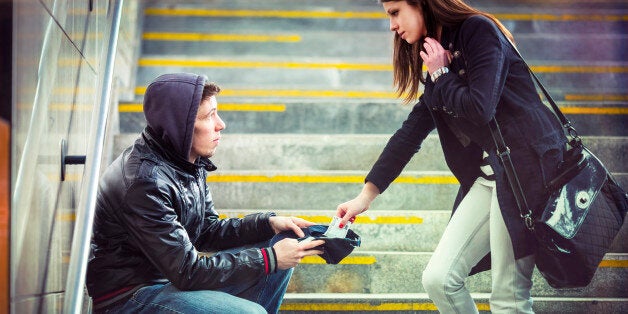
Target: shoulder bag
(584, 212)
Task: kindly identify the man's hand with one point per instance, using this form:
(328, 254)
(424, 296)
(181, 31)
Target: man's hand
(290, 251)
(280, 223)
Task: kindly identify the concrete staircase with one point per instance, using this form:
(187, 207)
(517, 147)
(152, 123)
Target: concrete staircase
(308, 103)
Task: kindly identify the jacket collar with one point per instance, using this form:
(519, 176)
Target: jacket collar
(175, 159)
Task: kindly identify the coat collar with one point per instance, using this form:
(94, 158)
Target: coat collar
(174, 158)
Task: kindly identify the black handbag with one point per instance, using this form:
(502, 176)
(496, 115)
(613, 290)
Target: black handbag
(584, 212)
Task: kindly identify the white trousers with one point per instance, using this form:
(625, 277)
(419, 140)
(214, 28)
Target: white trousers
(476, 228)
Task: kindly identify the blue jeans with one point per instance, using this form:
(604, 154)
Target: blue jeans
(263, 297)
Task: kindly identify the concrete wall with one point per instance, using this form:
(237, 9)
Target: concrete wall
(59, 53)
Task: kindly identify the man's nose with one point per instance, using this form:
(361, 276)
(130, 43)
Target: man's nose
(221, 125)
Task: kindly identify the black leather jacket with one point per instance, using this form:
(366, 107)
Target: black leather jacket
(153, 213)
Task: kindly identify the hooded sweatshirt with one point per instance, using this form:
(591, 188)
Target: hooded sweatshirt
(154, 210)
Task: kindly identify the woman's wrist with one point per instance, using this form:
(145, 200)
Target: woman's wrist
(439, 72)
(369, 192)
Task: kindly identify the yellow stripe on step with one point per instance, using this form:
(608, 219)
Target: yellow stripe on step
(252, 178)
(220, 37)
(272, 107)
(276, 107)
(578, 69)
(263, 64)
(614, 263)
(296, 93)
(300, 14)
(66, 217)
(367, 260)
(369, 220)
(596, 97)
(349, 260)
(367, 306)
(296, 14)
(595, 110)
(379, 220)
(350, 66)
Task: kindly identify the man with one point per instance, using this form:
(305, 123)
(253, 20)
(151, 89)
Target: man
(154, 213)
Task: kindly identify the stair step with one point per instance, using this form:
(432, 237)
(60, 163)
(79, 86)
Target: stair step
(396, 230)
(370, 16)
(420, 303)
(239, 151)
(401, 272)
(354, 116)
(365, 44)
(327, 189)
(344, 75)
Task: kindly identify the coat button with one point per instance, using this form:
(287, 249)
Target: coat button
(457, 54)
(451, 46)
(461, 72)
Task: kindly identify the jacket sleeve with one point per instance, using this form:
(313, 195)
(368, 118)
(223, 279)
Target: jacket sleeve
(475, 97)
(220, 234)
(402, 146)
(151, 220)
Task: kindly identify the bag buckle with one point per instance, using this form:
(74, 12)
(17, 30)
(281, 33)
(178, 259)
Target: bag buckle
(529, 222)
(503, 153)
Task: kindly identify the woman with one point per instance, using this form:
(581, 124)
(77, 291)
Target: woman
(473, 75)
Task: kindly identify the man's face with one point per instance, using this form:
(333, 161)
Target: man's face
(206, 130)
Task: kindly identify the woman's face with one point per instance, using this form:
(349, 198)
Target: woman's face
(406, 20)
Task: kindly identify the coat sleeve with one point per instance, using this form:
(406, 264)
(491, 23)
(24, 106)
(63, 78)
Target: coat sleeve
(152, 222)
(475, 97)
(218, 234)
(402, 146)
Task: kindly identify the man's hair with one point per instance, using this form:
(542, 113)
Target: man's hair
(209, 90)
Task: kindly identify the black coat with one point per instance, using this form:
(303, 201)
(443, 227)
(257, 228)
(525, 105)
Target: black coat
(487, 79)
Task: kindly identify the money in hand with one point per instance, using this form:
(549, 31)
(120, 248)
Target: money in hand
(333, 231)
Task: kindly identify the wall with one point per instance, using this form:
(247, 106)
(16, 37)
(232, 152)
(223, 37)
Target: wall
(59, 53)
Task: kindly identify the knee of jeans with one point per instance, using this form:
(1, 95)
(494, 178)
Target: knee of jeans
(440, 282)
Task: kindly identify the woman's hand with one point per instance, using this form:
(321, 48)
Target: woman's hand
(348, 210)
(280, 223)
(434, 56)
(290, 252)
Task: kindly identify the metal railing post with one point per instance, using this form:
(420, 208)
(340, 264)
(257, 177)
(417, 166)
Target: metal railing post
(81, 238)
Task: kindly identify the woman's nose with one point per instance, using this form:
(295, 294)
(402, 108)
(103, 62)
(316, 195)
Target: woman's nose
(393, 26)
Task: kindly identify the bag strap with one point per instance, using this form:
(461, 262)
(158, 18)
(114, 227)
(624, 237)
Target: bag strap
(571, 131)
(503, 152)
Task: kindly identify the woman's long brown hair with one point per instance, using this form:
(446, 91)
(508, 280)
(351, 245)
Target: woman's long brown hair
(407, 63)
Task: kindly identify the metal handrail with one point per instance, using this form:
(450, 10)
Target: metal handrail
(74, 288)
